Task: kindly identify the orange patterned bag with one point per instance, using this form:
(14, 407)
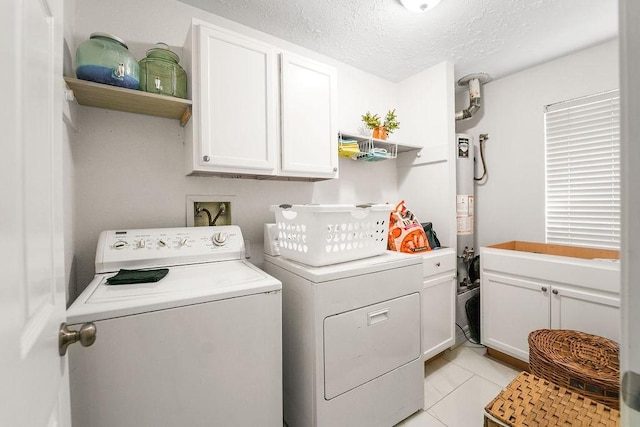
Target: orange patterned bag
(405, 232)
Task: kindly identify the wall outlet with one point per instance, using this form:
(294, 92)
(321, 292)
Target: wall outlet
(204, 211)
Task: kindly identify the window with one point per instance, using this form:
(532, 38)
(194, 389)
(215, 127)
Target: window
(582, 151)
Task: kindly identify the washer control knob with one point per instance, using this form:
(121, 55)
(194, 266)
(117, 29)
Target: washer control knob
(162, 243)
(142, 244)
(220, 239)
(120, 244)
(183, 241)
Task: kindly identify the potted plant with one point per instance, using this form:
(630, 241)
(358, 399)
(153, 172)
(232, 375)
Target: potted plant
(381, 129)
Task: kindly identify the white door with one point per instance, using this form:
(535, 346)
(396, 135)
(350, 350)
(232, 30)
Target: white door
(308, 114)
(629, 11)
(34, 385)
(511, 309)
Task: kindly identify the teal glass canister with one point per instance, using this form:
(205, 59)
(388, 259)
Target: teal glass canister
(160, 72)
(105, 58)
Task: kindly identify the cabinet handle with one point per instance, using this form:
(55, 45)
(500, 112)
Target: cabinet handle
(543, 289)
(206, 158)
(437, 264)
(555, 291)
(335, 169)
(377, 316)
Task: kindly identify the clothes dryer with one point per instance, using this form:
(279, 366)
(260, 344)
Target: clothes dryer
(351, 340)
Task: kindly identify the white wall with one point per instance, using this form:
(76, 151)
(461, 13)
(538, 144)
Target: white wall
(128, 169)
(427, 182)
(510, 205)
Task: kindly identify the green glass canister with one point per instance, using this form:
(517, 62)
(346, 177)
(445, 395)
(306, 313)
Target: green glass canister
(161, 73)
(106, 59)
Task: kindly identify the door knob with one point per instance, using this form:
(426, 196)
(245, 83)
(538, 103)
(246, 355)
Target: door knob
(555, 292)
(86, 335)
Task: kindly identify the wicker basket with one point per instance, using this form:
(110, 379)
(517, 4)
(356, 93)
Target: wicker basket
(535, 402)
(584, 363)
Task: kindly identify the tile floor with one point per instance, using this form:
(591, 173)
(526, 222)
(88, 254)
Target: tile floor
(458, 385)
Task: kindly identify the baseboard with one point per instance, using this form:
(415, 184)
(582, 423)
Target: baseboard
(509, 360)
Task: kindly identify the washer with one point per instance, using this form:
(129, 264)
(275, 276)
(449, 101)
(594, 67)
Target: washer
(200, 347)
(351, 340)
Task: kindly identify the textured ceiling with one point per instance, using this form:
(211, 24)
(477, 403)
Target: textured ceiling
(497, 37)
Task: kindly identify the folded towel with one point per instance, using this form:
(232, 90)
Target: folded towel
(126, 277)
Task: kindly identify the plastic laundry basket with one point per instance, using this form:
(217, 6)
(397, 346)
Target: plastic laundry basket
(320, 235)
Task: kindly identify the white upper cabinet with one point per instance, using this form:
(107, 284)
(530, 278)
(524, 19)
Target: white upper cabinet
(234, 89)
(308, 108)
(253, 118)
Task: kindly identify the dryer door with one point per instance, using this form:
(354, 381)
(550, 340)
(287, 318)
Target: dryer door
(363, 344)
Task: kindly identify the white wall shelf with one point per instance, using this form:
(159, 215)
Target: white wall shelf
(372, 149)
(132, 101)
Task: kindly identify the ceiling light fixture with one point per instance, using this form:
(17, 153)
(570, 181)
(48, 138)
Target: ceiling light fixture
(419, 5)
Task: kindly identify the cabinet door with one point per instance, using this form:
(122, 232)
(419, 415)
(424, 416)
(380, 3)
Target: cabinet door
(238, 104)
(308, 107)
(586, 311)
(511, 309)
(438, 315)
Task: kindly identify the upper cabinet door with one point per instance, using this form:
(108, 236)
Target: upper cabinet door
(309, 143)
(237, 80)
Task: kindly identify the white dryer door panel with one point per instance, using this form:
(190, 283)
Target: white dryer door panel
(363, 344)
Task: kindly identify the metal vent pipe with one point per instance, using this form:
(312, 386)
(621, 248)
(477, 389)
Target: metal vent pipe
(473, 81)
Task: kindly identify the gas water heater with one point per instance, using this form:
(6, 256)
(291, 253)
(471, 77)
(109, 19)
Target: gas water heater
(464, 206)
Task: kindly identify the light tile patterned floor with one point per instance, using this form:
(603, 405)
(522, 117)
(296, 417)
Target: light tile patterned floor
(457, 387)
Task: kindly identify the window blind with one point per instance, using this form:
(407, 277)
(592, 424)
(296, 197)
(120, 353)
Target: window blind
(582, 151)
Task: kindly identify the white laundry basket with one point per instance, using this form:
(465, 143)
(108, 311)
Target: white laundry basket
(329, 234)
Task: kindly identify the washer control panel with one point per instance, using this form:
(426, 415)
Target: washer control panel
(155, 247)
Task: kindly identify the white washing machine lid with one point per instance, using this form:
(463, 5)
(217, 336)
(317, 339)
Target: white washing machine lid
(386, 261)
(183, 285)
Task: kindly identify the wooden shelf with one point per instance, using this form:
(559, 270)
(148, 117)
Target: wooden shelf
(131, 101)
(381, 143)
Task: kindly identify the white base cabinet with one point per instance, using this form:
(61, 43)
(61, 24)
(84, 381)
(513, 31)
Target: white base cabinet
(258, 111)
(438, 301)
(522, 292)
